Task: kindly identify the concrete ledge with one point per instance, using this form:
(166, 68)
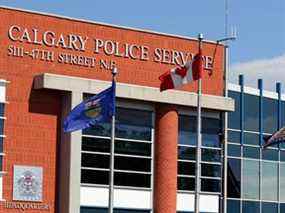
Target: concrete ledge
(131, 91)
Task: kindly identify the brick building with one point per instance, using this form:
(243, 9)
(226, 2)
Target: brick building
(51, 63)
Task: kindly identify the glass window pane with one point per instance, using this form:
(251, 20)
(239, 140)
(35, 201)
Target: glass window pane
(95, 144)
(233, 206)
(233, 136)
(269, 181)
(132, 148)
(282, 156)
(234, 150)
(251, 112)
(282, 182)
(234, 177)
(251, 138)
(251, 152)
(95, 160)
(210, 185)
(282, 207)
(2, 107)
(185, 183)
(132, 179)
(270, 115)
(211, 170)
(130, 123)
(102, 129)
(269, 208)
(1, 126)
(186, 168)
(133, 132)
(282, 113)
(211, 126)
(1, 144)
(270, 154)
(94, 176)
(1, 162)
(211, 140)
(234, 117)
(132, 164)
(186, 153)
(211, 155)
(187, 130)
(250, 179)
(187, 138)
(250, 207)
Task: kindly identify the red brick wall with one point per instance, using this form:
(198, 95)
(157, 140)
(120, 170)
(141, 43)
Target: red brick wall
(33, 116)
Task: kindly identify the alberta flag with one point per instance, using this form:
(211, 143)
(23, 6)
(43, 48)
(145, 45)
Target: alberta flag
(97, 109)
(179, 76)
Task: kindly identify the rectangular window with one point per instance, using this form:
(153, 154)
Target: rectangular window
(234, 150)
(270, 115)
(2, 121)
(251, 138)
(250, 207)
(269, 181)
(282, 182)
(251, 112)
(234, 117)
(250, 183)
(210, 185)
(251, 152)
(233, 206)
(133, 150)
(234, 136)
(269, 207)
(234, 177)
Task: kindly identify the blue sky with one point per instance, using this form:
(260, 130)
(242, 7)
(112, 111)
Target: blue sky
(260, 23)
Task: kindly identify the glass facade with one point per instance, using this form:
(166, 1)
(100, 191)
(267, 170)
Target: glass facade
(256, 175)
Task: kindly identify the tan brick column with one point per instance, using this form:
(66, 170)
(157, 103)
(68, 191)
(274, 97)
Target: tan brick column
(165, 165)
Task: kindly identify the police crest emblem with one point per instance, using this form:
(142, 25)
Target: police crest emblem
(27, 185)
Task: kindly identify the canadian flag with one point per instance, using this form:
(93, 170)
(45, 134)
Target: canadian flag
(179, 76)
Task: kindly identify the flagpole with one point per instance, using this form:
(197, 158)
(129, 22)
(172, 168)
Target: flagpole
(112, 151)
(199, 139)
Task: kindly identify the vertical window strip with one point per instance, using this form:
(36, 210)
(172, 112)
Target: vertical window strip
(260, 87)
(279, 121)
(241, 83)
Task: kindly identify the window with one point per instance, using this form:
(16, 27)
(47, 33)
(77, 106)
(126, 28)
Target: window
(211, 154)
(251, 112)
(234, 177)
(104, 210)
(270, 154)
(233, 206)
(269, 181)
(251, 152)
(210, 185)
(282, 182)
(270, 115)
(250, 207)
(251, 138)
(2, 121)
(233, 136)
(234, 117)
(250, 184)
(133, 150)
(234, 150)
(269, 207)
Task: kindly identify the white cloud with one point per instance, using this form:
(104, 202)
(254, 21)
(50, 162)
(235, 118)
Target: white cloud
(270, 70)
